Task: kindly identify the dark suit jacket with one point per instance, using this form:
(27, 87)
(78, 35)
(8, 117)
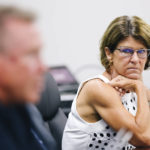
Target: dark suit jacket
(22, 128)
(41, 128)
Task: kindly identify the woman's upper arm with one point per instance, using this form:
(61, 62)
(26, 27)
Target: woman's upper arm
(107, 102)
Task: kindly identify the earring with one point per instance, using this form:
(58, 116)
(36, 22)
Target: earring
(110, 62)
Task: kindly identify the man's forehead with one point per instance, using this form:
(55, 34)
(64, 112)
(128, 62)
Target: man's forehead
(19, 26)
(20, 32)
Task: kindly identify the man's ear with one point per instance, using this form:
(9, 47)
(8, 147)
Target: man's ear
(108, 53)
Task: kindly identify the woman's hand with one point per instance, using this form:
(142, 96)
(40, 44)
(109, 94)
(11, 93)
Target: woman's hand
(124, 85)
(120, 91)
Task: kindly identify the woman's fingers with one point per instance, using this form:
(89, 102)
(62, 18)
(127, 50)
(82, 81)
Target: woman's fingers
(121, 91)
(117, 82)
(116, 88)
(121, 82)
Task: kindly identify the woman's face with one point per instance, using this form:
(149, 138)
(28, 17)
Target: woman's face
(129, 66)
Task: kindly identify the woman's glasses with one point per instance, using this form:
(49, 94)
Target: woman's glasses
(128, 52)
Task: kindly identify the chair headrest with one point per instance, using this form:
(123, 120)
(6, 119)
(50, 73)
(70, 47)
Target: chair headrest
(50, 98)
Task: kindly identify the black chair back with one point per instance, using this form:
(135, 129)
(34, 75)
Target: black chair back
(49, 106)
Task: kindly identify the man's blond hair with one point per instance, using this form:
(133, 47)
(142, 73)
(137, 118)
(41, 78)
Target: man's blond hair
(15, 12)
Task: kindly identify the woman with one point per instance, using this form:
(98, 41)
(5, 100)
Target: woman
(117, 98)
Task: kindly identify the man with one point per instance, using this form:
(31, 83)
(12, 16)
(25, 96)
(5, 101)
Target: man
(21, 82)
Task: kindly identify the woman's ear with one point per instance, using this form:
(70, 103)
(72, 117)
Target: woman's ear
(108, 53)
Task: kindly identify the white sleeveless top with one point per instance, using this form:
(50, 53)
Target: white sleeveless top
(81, 135)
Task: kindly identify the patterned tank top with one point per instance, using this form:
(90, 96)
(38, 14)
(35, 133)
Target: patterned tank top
(81, 135)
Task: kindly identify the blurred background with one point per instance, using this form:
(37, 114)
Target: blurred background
(72, 30)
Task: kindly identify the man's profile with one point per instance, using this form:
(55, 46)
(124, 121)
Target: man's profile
(21, 80)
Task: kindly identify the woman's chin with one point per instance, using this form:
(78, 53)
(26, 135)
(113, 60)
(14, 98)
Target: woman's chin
(133, 76)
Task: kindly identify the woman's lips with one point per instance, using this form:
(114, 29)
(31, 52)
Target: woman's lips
(133, 69)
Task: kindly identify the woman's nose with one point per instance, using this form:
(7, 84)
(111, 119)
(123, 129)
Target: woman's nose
(134, 57)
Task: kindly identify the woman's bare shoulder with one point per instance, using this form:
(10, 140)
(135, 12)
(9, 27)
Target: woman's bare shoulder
(98, 90)
(98, 86)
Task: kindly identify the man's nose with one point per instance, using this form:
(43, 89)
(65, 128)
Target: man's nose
(42, 67)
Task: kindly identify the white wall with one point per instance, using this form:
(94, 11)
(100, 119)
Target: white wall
(72, 29)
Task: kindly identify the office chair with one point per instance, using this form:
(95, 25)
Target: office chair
(49, 106)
